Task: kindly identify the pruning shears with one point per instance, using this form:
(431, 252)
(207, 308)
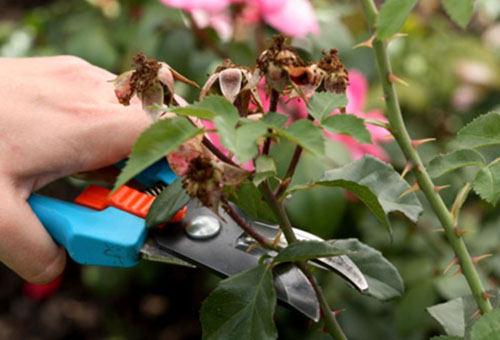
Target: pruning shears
(109, 230)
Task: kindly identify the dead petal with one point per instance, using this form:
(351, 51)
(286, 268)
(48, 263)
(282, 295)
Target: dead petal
(208, 85)
(232, 175)
(253, 79)
(166, 77)
(123, 91)
(257, 99)
(180, 158)
(152, 96)
(230, 83)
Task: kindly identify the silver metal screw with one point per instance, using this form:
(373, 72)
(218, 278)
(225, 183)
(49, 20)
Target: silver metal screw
(203, 227)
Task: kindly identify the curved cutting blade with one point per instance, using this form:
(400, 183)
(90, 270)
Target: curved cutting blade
(224, 254)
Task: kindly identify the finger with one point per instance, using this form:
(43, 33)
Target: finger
(25, 245)
(111, 138)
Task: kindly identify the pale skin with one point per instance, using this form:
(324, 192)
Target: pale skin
(58, 116)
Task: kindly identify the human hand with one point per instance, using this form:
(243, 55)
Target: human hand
(58, 116)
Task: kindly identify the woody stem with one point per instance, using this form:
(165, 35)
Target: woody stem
(244, 225)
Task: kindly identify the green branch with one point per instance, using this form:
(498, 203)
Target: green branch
(425, 183)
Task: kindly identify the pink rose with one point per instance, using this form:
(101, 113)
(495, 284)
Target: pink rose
(292, 17)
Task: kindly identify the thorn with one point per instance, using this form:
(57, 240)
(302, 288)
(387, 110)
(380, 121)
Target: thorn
(252, 247)
(486, 295)
(459, 200)
(393, 79)
(419, 168)
(413, 188)
(416, 143)
(458, 271)
(382, 97)
(438, 188)
(337, 312)
(476, 314)
(476, 259)
(277, 239)
(367, 43)
(388, 137)
(439, 230)
(459, 231)
(451, 264)
(407, 169)
(395, 36)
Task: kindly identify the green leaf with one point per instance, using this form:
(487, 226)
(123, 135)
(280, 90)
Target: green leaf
(307, 250)
(392, 17)
(443, 164)
(154, 143)
(459, 10)
(321, 104)
(450, 315)
(487, 183)
(246, 140)
(264, 168)
(249, 198)
(225, 123)
(384, 281)
(207, 109)
(241, 307)
(304, 133)
(457, 316)
(487, 327)
(275, 120)
(376, 184)
(167, 204)
(482, 131)
(346, 124)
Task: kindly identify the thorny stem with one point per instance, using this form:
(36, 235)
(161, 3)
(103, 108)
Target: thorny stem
(243, 225)
(402, 137)
(331, 323)
(278, 208)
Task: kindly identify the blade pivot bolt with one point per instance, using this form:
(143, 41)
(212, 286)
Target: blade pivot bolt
(203, 227)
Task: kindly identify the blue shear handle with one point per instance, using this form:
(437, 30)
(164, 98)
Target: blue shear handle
(110, 237)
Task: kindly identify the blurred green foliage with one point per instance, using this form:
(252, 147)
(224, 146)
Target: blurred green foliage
(453, 76)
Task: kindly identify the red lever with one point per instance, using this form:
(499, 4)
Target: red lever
(125, 198)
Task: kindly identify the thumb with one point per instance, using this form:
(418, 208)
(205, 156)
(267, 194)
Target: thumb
(25, 246)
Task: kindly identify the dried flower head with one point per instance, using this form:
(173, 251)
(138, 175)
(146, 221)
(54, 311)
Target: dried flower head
(235, 84)
(335, 79)
(152, 81)
(205, 179)
(275, 63)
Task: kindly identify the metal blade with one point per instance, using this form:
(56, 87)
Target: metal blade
(222, 254)
(342, 265)
(151, 252)
(291, 287)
